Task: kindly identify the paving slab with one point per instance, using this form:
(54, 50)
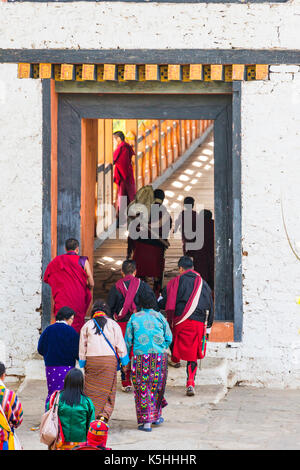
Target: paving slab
(123, 426)
(244, 418)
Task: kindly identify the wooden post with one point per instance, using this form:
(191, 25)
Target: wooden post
(89, 156)
(110, 187)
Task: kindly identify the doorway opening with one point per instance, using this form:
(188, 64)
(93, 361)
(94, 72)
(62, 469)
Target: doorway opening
(163, 129)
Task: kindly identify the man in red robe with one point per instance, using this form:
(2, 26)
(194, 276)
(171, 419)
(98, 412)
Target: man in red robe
(71, 280)
(123, 172)
(123, 300)
(187, 300)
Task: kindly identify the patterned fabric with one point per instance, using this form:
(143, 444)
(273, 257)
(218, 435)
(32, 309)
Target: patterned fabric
(97, 434)
(149, 376)
(66, 445)
(101, 383)
(55, 379)
(126, 376)
(13, 412)
(149, 333)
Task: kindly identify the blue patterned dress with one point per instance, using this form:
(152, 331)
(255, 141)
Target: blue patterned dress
(149, 334)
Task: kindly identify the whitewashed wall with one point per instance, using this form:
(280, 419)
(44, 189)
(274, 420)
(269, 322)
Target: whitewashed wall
(269, 354)
(270, 351)
(107, 25)
(21, 216)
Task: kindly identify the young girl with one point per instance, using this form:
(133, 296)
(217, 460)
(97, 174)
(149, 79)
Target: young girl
(75, 411)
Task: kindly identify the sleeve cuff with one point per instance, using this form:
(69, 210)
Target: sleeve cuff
(82, 363)
(125, 360)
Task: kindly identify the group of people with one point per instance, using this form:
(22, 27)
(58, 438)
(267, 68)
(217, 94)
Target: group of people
(132, 330)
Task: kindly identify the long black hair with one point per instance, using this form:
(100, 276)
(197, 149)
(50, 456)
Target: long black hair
(73, 387)
(2, 369)
(100, 306)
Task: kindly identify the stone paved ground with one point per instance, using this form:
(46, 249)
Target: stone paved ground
(247, 418)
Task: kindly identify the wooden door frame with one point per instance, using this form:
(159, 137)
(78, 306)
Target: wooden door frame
(224, 109)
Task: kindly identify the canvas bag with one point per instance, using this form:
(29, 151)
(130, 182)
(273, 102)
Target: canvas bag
(49, 428)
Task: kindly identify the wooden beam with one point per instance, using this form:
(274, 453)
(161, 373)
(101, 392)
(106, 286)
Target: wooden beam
(163, 73)
(45, 71)
(151, 56)
(238, 72)
(228, 73)
(120, 73)
(57, 68)
(216, 72)
(174, 72)
(109, 72)
(66, 72)
(141, 87)
(130, 72)
(88, 72)
(261, 72)
(100, 73)
(35, 71)
(250, 72)
(185, 73)
(78, 73)
(151, 72)
(207, 73)
(195, 72)
(24, 70)
(141, 73)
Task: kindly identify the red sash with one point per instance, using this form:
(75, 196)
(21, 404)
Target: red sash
(192, 303)
(128, 294)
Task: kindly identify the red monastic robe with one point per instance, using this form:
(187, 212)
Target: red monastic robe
(68, 281)
(123, 172)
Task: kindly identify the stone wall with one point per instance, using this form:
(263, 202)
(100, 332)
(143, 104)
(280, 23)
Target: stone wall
(21, 216)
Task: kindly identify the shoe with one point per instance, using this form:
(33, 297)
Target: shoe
(190, 391)
(174, 364)
(127, 389)
(158, 422)
(141, 428)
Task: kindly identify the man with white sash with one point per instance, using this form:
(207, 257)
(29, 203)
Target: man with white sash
(188, 302)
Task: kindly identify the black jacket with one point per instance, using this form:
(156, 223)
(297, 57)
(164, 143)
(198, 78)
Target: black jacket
(115, 299)
(185, 289)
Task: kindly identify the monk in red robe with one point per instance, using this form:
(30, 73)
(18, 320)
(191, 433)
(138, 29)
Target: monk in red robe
(123, 300)
(187, 300)
(123, 172)
(71, 280)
